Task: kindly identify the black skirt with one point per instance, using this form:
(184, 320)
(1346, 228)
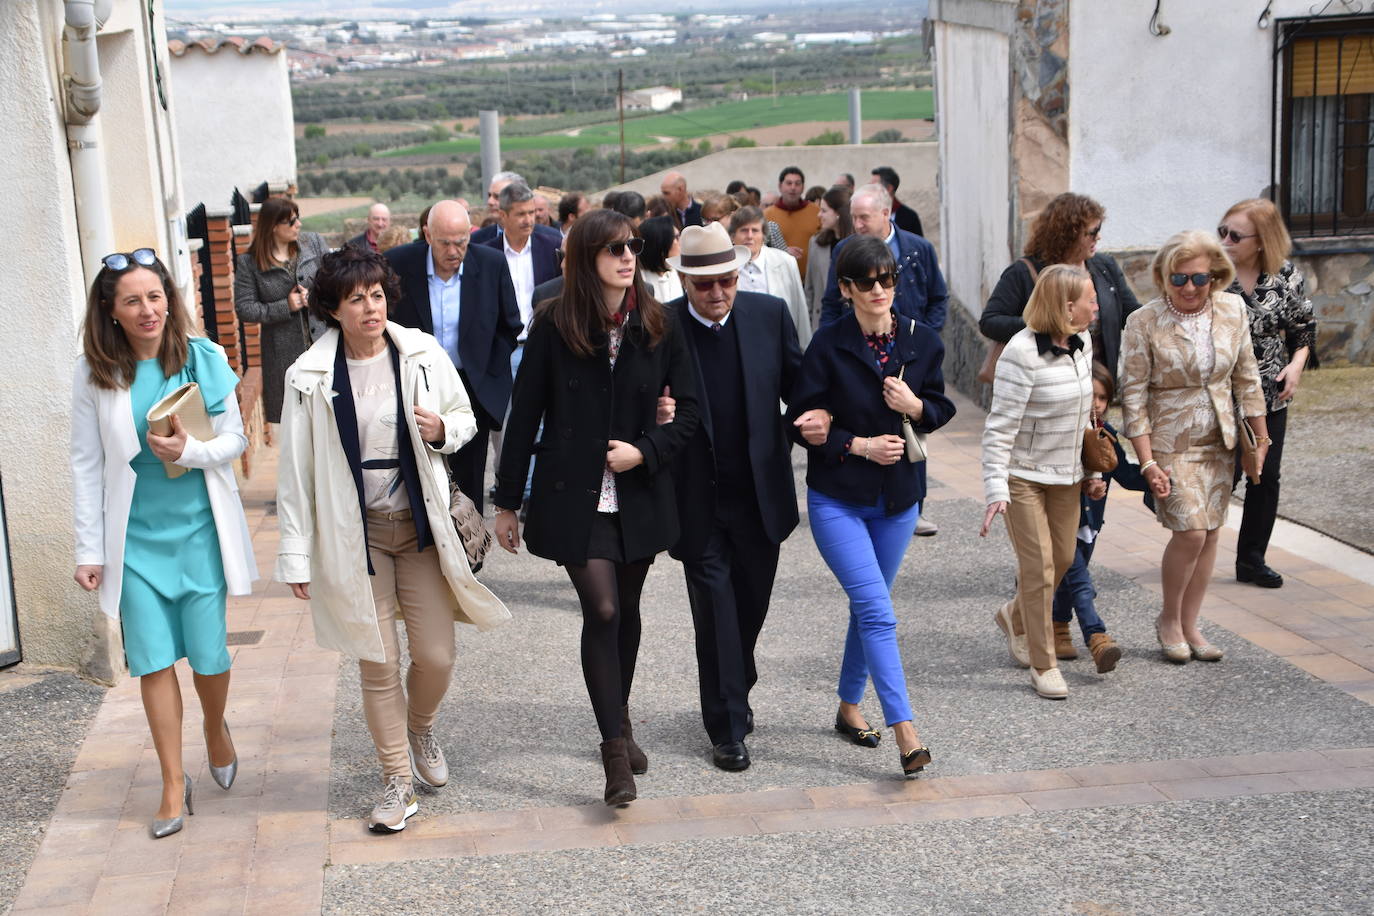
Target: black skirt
(606, 541)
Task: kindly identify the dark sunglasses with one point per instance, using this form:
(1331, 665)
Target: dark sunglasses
(1094, 232)
(144, 257)
(706, 284)
(1235, 237)
(617, 249)
(864, 284)
(1181, 280)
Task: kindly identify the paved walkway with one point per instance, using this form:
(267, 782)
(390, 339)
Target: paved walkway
(289, 839)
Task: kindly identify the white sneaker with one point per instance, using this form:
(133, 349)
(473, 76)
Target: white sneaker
(427, 759)
(397, 804)
(1050, 685)
(1016, 645)
(926, 528)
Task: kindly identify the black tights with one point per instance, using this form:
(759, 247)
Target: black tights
(609, 593)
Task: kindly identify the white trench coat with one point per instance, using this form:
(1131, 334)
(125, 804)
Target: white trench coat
(322, 539)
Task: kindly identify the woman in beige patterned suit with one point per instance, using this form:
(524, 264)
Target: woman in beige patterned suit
(1187, 370)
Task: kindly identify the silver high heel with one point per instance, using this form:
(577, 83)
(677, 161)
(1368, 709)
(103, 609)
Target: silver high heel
(1176, 652)
(223, 776)
(161, 828)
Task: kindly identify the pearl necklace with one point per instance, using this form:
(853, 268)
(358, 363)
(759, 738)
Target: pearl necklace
(1187, 316)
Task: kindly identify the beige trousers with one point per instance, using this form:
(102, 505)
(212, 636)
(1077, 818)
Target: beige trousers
(412, 586)
(1042, 520)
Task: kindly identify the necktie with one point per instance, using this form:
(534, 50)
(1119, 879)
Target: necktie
(715, 326)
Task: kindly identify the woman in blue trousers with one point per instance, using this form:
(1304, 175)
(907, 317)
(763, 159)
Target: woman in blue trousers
(868, 369)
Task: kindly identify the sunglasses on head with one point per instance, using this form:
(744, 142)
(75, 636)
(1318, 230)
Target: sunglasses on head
(617, 249)
(1198, 280)
(1227, 233)
(864, 284)
(704, 285)
(144, 257)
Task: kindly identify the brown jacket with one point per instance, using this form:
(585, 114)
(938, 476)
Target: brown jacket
(1160, 373)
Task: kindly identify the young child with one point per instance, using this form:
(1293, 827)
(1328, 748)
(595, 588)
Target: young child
(1075, 593)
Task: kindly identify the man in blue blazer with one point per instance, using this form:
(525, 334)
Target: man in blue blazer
(921, 291)
(463, 295)
(531, 257)
(487, 233)
(736, 500)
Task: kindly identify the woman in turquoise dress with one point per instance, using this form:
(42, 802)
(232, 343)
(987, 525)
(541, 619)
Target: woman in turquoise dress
(164, 551)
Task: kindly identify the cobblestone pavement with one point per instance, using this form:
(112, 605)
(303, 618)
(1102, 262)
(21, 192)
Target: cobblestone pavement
(1219, 788)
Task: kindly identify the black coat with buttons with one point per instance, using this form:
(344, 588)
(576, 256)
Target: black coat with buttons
(583, 404)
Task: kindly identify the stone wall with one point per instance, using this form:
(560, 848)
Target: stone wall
(1040, 99)
(965, 348)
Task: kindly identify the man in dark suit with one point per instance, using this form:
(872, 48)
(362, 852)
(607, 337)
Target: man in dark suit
(686, 211)
(463, 296)
(920, 292)
(378, 219)
(484, 235)
(903, 216)
(736, 501)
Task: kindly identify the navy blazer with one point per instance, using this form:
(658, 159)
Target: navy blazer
(544, 252)
(488, 320)
(840, 374)
(920, 292)
(484, 235)
(693, 217)
(769, 361)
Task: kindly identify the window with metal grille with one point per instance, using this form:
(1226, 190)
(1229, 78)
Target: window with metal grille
(1324, 83)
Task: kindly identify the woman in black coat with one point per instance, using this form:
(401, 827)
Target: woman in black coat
(602, 503)
(1065, 232)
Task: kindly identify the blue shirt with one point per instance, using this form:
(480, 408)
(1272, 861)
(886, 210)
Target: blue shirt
(892, 242)
(445, 305)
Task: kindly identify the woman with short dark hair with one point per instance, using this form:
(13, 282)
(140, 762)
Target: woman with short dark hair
(863, 492)
(660, 243)
(271, 281)
(602, 504)
(363, 498)
(160, 531)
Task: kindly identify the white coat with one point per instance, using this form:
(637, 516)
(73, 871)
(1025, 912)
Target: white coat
(322, 538)
(784, 281)
(104, 441)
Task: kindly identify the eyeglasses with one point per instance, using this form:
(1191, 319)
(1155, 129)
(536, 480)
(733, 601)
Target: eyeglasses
(1095, 232)
(704, 285)
(864, 284)
(617, 249)
(144, 257)
(1226, 232)
(1198, 280)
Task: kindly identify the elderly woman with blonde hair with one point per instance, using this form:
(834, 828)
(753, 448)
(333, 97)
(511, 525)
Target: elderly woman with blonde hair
(1188, 377)
(1033, 471)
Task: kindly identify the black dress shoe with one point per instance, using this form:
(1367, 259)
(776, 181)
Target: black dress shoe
(863, 737)
(732, 755)
(1260, 575)
(915, 760)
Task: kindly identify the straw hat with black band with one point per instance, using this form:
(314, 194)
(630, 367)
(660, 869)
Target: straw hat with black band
(706, 251)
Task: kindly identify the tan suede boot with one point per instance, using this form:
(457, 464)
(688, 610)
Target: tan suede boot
(1106, 653)
(1063, 642)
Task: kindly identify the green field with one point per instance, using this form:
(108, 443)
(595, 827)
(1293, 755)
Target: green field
(727, 117)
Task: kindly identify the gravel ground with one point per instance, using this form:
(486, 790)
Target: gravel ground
(43, 720)
(1292, 854)
(518, 728)
(1328, 456)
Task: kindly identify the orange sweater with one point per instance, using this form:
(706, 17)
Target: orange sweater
(797, 227)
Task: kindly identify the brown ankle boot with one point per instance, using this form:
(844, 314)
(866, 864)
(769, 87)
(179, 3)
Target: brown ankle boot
(620, 782)
(1063, 642)
(1106, 653)
(639, 763)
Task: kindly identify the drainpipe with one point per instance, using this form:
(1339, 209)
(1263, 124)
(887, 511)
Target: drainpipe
(81, 79)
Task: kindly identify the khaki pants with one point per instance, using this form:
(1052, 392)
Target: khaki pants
(412, 586)
(1042, 520)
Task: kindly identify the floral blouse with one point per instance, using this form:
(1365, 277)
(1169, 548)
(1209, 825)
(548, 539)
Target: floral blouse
(609, 500)
(1281, 322)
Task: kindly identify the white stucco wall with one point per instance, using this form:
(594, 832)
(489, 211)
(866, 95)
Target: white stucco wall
(233, 122)
(41, 302)
(972, 109)
(1162, 159)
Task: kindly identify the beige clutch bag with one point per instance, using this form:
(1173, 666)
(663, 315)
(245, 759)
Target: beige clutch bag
(188, 405)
